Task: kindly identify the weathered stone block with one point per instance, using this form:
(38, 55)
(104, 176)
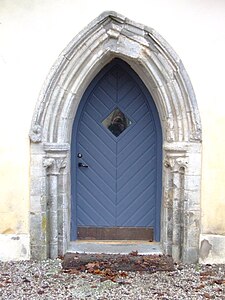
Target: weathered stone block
(38, 227)
(35, 205)
(38, 186)
(14, 247)
(194, 164)
(192, 200)
(192, 182)
(39, 252)
(36, 166)
(212, 249)
(190, 255)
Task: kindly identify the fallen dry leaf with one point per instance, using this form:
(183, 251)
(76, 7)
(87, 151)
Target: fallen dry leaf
(219, 281)
(123, 274)
(134, 253)
(201, 286)
(207, 295)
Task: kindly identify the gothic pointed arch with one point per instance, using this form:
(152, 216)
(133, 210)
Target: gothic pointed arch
(108, 36)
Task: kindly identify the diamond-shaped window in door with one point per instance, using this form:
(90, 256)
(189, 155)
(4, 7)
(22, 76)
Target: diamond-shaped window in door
(116, 122)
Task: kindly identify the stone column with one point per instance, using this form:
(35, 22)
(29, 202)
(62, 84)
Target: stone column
(167, 210)
(177, 162)
(54, 162)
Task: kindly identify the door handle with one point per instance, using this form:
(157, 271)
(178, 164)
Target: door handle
(81, 165)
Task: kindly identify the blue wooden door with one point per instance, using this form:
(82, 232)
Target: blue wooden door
(116, 154)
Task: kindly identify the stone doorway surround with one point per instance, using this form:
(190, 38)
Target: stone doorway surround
(108, 36)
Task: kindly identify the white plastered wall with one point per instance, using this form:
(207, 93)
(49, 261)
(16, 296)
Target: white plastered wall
(37, 31)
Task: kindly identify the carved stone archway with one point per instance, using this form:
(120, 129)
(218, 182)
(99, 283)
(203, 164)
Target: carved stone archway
(109, 36)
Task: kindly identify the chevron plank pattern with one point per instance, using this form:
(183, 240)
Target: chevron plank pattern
(119, 186)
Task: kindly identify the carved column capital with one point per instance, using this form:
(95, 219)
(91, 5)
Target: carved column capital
(54, 165)
(176, 163)
(56, 157)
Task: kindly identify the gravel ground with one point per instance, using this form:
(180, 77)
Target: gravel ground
(46, 280)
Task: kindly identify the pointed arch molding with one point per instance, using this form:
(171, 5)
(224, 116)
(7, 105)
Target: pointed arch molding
(108, 36)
